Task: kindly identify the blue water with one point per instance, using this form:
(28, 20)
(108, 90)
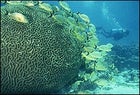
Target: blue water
(115, 15)
(110, 15)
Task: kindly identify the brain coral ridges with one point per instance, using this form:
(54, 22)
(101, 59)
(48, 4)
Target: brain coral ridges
(40, 56)
(42, 46)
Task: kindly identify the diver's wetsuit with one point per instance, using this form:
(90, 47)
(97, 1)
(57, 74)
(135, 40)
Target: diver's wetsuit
(117, 34)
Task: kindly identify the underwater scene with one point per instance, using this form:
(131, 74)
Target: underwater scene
(69, 47)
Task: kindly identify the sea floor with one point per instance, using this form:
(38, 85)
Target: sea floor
(116, 88)
(121, 84)
(124, 83)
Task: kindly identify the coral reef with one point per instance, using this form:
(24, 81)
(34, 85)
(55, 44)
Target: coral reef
(125, 56)
(110, 73)
(50, 49)
(39, 56)
(97, 72)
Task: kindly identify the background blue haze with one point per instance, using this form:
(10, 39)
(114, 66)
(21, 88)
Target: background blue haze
(109, 15)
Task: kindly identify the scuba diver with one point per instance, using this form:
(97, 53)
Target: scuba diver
(116, 34)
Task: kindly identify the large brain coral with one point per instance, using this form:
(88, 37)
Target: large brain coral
(39, 56)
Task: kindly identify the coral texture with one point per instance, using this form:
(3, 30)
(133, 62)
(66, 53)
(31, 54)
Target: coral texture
(40, 56)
